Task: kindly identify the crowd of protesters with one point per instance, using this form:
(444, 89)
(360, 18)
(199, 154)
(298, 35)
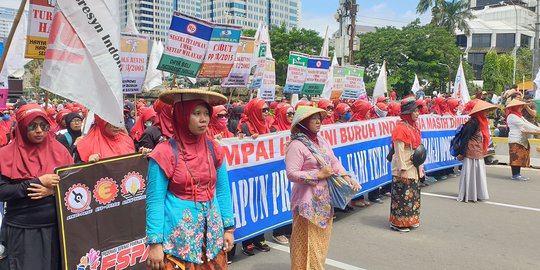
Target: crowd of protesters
(34, 139)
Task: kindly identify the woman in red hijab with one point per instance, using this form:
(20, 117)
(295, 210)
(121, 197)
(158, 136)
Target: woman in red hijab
(253, 122)
(60, 127)
(189, 213)
(406, 137)
(103, 141)
(283, 116)
(439, 106)
(161, 128)
(217, 129)
(145, 120)
(342, 114)
(329, 108)
(452, 106)
(422, 106)
(394, 109)
(27, 179)
(360, 109)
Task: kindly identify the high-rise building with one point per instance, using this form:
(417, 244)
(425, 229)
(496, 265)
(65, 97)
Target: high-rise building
(153, 17)
(249, 13)
(7, 16)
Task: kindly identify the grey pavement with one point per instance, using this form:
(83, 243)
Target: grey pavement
(502, 233)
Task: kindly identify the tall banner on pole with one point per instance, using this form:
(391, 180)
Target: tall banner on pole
(186, 45)
(221, 52)
(133, 51)
(239, 75)
(82, 62)
(256, 81)
(268, 85)
(381, 86)
(317, 73)
(296, 73)
(39, 25)
(338, 78)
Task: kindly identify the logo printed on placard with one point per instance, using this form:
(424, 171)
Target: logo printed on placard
(318, 64)
(132, 185)
(105, 190)
(191, 28)
(91, 259)
(77, 198)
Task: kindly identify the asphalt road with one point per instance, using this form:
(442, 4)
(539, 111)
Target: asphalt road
(502, 233)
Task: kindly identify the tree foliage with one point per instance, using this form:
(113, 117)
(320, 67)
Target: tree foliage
(506, 69)
(298, 40)
(491, 73)
(424, 50)
(451, 15)
(524, 64)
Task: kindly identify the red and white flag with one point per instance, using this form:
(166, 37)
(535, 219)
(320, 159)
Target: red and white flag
(82, 62)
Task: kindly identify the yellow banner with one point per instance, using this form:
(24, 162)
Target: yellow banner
(39, 26)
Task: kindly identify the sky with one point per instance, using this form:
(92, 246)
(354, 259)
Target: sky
(318, 14)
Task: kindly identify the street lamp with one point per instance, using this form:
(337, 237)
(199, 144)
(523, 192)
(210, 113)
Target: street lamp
(449, 75)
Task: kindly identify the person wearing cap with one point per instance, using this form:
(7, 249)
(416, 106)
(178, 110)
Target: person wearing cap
(310, 202)
(474, 147)
(27, 179)
(529, 112)
(189, 218)
(484, 97)
(518, 143)
(405, 192)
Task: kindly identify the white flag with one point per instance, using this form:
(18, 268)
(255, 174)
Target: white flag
(130, 25)
(325, 46)
(416, 85)
(381, 86)
(327, 91)
(82, 62)
(537, 85)
(461, 92)
(153, 75)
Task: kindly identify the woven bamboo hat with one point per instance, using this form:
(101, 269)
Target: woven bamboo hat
(304, 112)
(482, 106)
(515, 103)
(178, 95)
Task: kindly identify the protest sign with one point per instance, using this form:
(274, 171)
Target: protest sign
(257, 79)
(102, 214)
(261, 191)
(317, 73)
(186, 45)
(296, 73)
(337, 87)
(221, 51)
(353, 83)
(133, 53)
(268, 86)
(239, 75)
(39, 26)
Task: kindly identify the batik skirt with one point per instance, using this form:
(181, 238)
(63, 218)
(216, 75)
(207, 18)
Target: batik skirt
(520, 156)
(405, 206)
(309, 244)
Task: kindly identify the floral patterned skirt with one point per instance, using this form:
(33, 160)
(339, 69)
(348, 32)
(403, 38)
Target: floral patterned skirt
(309, 243)
(218, 263)
(405, 206)
(520, 156)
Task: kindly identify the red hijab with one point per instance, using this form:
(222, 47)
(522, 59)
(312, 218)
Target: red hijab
(515, 110)
(439, 106)
(324, 104)
(253, 118)
(194, 157)
(340, 110)
(219, 125)
(282, 122)
(138, 129)
(407, 131)
(484, 127)
(360, 110)
(22, 159)
(452, 106)
(163, 119)
(98, 141)
(394, 109)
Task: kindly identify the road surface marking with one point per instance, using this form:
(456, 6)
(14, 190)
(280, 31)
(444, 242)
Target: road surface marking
(328, 261)
(485, 202)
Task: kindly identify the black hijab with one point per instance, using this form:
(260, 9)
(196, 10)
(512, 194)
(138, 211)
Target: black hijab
(69, 118)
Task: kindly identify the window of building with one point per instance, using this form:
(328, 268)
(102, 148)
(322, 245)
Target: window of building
(506, 40)
(481, 40)
(525, 41)
(477, 62)
(461, 40)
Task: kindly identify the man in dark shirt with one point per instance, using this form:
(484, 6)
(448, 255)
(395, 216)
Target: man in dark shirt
(530, 110)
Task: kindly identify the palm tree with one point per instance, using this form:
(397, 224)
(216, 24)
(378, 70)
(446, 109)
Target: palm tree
(451, 15)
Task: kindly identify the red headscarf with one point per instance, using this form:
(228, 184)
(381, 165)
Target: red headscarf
(439, 106)
(138, 129)
(98, 141)
(23, 159)
(302, 103)
(515, 110)
(407, 131)
(379, 106)
(60, 116)
(382, 99)
(253, 117)
(194, 158)
(360, 109)
(422, 106)
(219, 125)
(340, 110)
(469, 106)
(324, 104)
(394, 109)
(452, 106)
(163, 119)
(282, 121)
(484, 128)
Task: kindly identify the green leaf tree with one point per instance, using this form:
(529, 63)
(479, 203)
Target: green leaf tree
(451, 15)
(491, 73)
(524, 64)
(506, 69)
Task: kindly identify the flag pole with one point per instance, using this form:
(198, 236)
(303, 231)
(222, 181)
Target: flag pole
(12, 32)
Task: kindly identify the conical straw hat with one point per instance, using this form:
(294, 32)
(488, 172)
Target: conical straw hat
(515, 102)
(304, 112)
(178, 95)
(482, 106)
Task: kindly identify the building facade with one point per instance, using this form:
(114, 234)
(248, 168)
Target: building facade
(153, 17)
(7, 16)
(501, 26)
